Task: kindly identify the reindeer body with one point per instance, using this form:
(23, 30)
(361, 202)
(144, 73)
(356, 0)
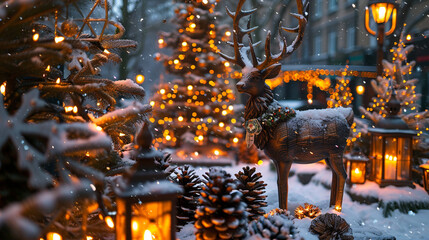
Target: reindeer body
(311, 135)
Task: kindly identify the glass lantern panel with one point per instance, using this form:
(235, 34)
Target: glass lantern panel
(404, 151)
(120, 219)
(378, 156)
(151, 221)
(391, 158)
(381, 12)
(357, 172)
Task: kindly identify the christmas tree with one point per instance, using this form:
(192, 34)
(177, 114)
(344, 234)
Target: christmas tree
(60, 119)
(396, 78)
(341, 96)
(195, 111)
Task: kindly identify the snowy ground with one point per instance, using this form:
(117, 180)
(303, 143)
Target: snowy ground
(362, 218)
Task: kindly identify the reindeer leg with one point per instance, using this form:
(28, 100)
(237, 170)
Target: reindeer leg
(283, 169)
(341, 175)
(333, 184)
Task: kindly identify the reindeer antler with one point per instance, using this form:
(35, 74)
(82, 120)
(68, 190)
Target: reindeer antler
(238, 33)
(270, 59)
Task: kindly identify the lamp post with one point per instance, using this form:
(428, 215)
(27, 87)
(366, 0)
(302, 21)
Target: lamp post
(381, 12)
(146, 210)
(391, 148)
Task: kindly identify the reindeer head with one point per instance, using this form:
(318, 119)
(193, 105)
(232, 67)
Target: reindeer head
(255, 72)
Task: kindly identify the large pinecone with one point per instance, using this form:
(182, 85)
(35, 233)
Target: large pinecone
(252, 191)
(330, 226)
(187, 202)
(221, 214)
(275, 225)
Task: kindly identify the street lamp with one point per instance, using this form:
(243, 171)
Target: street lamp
(146, 210)
(381, 12)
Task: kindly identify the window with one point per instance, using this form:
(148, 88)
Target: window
(332, 45)
(317, 45)
(332, 6)
(351, 37)
(318, 9)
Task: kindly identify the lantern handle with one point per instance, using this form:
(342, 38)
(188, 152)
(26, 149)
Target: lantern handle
(392, 28)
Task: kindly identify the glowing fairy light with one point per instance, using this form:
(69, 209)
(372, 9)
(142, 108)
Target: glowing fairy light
(3, 88)
(59, 39)
(36, 37)
(139, 79)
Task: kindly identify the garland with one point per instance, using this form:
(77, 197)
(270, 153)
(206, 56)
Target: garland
(274, 115)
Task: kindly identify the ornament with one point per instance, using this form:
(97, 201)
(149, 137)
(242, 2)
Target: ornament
(253, 127)
(69, 28)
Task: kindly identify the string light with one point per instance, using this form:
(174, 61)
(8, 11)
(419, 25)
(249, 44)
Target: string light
(36, 37)
(139, 79)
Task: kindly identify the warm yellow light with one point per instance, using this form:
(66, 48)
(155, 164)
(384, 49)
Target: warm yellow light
(235, 140)
(224, 112)
(53, 236)
(75, 109)
(201, 137)
(161, 41)
(381, 12)
(226, 64)
(147, 235)
(3, 88)
(139, 79)
(357, 171)
(338, 208)
(260, 162)
(121, 134)
(168, 137)
(58, 80)
(310, 101)
(193, 25)
(59, 39)
(180, 118)
(152, 103)
(135, 226)
(190, 87)
(230, 108)
(106, 51)
(360, 89)
(36, 37)
(89, 238)
(216, 152)
(184, 44)
(162, 91)
(408, 37)
(48, 68)
(227, 33)
(99, 128)
(221, 124)
(205, 1)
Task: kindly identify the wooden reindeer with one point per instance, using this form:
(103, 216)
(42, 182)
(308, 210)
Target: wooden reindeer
(307, 137)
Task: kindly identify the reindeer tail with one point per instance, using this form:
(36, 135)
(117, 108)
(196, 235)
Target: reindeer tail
(350, 116)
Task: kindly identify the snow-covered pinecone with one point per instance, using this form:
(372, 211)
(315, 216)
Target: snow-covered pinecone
(187, 202)
(221, 214)
(330, 226)
(252, 191)
(277, 224)
(163, 164)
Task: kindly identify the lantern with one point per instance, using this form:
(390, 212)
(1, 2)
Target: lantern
(146, 210)
(425, 168)
(381, 10)
(356, 167)
(391, 148)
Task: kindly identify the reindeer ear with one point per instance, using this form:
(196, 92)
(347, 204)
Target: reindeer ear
(271, 71)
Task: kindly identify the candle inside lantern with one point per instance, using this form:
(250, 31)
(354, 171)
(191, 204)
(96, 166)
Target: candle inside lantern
(390, 162)
(357, 176)
(147, 235)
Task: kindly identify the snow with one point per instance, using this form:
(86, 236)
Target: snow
(364, 219)
(153, 188)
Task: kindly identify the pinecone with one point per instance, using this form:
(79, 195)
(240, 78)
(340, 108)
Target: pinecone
(221, 214)
(309, 211)
(252, 191)
(187, 202)
(277, 224)
(331, 226)
(163, 164)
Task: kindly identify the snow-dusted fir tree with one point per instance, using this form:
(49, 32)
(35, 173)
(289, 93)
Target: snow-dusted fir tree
(59, 118)
(341, 96)
(396, 75)
(194, 112)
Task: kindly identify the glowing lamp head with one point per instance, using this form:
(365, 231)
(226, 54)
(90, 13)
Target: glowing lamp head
(381, 10)
(360, 89)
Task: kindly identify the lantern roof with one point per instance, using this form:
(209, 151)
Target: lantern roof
(425, 166)
(392, 121)
(356, 157)
(152, 188)
(384, 131)
(144, 154)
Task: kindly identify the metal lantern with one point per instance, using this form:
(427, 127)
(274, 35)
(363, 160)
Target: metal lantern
(391, 148)
(425, 168)
(146, 210)
(356, 165)
(381, 10)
